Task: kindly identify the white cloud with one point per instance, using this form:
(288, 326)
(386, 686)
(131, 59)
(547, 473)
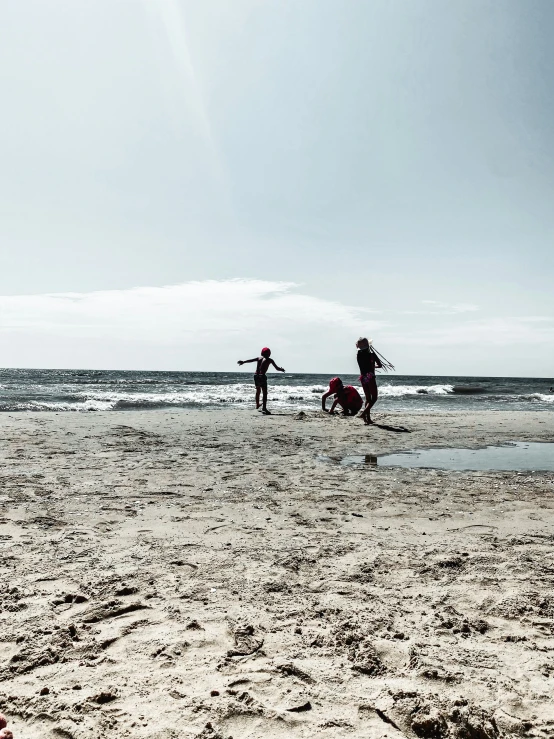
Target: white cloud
(209, 325)
(464, 308)
(495, 331)
(193, 325)
(442, 309)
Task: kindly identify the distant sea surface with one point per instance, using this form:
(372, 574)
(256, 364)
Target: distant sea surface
(93, 390)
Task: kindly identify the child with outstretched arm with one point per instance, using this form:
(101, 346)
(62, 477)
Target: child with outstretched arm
(260, 377)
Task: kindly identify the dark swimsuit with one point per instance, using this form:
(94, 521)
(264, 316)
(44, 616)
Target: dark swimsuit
(366, 363)
(260, 378)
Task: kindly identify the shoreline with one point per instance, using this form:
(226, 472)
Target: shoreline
(168, 571)
(62, 391)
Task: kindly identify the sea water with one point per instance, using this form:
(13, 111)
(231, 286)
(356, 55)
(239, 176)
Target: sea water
(104, 390)
(516, 455)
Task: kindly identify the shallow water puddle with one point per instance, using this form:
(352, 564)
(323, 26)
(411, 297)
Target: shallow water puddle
(515, 456)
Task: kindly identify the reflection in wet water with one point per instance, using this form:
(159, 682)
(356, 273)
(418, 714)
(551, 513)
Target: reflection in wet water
(515, 456)
(354, 459)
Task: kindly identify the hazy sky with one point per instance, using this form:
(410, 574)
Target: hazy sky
(184, 181)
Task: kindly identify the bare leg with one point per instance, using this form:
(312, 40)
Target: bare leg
(258, 397)
(368, 403)
(374, 393)
(264, 406)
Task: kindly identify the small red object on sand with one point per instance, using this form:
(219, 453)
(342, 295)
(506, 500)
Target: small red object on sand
(3, 721)
(6, 734)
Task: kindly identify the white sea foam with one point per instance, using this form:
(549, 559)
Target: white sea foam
(397, 391)
(549, 398)
(43, 405)
(297, 396)
(98, 392)
(286, 395)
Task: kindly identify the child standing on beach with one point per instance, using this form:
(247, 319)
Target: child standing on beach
(260, 377)
(347, 397)
(367, 362)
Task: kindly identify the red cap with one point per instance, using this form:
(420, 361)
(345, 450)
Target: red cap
(266, 350)
(335, 384)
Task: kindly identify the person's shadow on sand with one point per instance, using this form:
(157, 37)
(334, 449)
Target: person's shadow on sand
(396, 429)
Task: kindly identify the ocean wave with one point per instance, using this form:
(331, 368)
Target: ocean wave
(56, 406)
(397, 391)
(283, 392)
(549, 398)
(193, 396)
(529, 398)
(200, 394)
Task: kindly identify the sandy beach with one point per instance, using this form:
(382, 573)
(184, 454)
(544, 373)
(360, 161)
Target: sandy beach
(202, 574)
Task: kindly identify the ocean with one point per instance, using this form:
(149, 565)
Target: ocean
(105, 390)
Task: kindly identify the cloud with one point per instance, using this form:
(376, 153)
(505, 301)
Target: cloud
(172, 312)
(196, 321)
(495, 331)
(442, 309)
(209, 325)
(464, 308)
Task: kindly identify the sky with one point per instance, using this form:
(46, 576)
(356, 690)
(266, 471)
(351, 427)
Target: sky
(184, 182)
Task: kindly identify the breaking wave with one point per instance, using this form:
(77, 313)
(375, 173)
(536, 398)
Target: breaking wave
(398, 391)
(541, 397)
(66, 390)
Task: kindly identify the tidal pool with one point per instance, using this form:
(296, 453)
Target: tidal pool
(514, 456)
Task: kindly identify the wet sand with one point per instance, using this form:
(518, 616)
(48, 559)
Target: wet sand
(202, 574)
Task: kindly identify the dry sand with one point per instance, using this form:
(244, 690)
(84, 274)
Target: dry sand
(202, 574)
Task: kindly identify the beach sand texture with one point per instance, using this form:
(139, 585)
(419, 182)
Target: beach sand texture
(202, 574)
